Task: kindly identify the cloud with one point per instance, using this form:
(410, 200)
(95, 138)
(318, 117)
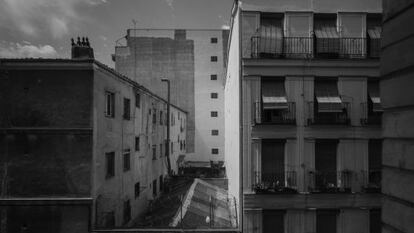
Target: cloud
(36, 17)
(26, 50)
(170, 3)
(225, 27)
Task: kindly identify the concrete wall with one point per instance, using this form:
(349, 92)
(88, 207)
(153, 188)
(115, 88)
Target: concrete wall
(398, 129)
(232, 106)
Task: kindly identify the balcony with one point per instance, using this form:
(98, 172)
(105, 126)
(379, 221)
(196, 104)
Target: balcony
(372, 181)
(312, 47)
(273, 183)
(329, 116)
(370, 117)
(284, 115)
(330, 182)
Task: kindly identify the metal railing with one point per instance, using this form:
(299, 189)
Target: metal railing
(330, 181)
(312, 47)
(275, 116)
(372, 181)
(328, 118)
(370, 117)
(275, 182)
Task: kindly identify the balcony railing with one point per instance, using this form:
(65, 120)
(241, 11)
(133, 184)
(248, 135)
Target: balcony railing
(275, 116)
(372, 181)
(330, 182)
(277, 182)
(312, 47)
(369, 117)
(328, 118)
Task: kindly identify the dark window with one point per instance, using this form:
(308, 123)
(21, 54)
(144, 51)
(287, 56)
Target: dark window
(213, 58)
(154, 117)
(161, 183)
(275, 107)
(215, 151)
(127, 109)
(137, 100)
(109, 219)
(154, 152)
(213, 77)
(375, 221)
(137, 141)
(327, 42)
(127, 160)
(325, 164)
(374, 162)
(326, 221)
(273, 221)
(273, 159)
(213, 40)
(127, 211)
(214, 132)
(154, 188)
(110, 104)
(214, 95)
(161, 118)
(213, 114)
(161, 150)
(110, 164)
(137, 189)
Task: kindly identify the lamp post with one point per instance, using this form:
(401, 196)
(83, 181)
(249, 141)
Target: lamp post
(167, 148)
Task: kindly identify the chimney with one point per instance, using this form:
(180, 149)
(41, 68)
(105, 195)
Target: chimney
(82, 49)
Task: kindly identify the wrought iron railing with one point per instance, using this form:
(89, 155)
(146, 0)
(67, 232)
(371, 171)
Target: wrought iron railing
(370, 117)
(275, 116)
(330, 181)
(312, 47)
(372, 180)
(275, 182)
(316, 117)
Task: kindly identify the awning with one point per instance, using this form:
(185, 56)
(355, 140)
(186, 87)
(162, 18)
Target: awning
(374, 95)
(374, 33)
(274, 95)
(271, 39)
(326, 32)
(329, 104)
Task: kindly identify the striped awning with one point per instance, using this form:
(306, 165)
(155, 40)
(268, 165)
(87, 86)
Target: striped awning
(329, 104)
(326, 32)
(374, 33)
(374, 95)
(274, 102)
(274, 95)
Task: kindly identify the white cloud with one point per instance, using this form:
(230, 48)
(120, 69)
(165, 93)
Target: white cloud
(170, 3)
(35, 17)
(25, 50)
(225, 27)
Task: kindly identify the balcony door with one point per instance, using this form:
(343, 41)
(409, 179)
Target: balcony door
(273, 163)
(273, 221)
(326, 221)
(374, 162)
(325, 164)
(275, 107)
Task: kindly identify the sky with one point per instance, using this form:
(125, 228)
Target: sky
(43, 28)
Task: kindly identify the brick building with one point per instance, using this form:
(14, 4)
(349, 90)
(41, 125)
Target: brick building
(81, 145)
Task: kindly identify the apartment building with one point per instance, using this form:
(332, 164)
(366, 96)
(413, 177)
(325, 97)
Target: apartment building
(303, 115)
(192, 59)
(82, 146)
(398, 129)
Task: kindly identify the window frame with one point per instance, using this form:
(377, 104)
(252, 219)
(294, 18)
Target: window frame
(214, 95)
(127, 109)
(126, 160)
(109, 165)
(109, 104)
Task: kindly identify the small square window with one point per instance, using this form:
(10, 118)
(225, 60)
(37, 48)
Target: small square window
(214, 95)
(215, 151)
(213, 113)
(214, 132)
(213, 58)
(213, 40)
(213, 77)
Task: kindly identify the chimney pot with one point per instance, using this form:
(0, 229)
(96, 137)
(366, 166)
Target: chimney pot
(82, 50)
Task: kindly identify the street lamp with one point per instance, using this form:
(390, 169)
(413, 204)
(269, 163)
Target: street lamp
(167, 149)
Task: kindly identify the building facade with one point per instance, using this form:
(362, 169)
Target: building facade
(82, 146)
(398, 129)
(303, 115)
(193, 61)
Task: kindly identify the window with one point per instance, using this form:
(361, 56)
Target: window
(374, 162)
(160, 150)
(137, 100)
(154, 117)
(127, 109)
(137, 189)
(161, 118)
(109, 219)
(110, 164)
(374, 220)
(326, 221)
(127, 160)
(272, 161)
(213, 77)
(110, 104)
(172, 119)
(214, 151)
(269, 42)
(214, 132)
(154, 187)
(325, 164)
(161, 183)
(137, 141)
(275, 107)
(213, 40)
(213, 113)
(172, 147)
(214, 95)
(154, 152)
(127, 211)
(327, 37)
(213, 58)
(273, 221)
